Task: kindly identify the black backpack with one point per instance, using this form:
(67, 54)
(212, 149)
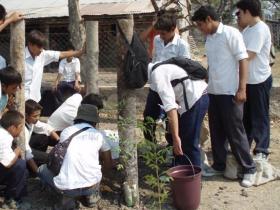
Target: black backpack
(135, 63)
(194, 70)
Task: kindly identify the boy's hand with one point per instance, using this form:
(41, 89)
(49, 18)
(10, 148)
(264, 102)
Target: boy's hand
(18, 152)
(15, 16)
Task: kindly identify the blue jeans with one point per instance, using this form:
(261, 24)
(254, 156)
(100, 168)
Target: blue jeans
(256, 115)
(47, 176)
(189, 131)
(15, 179)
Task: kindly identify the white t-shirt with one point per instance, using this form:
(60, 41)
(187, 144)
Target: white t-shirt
(81, 166)
(173, 97)
(224, 50)
(34, 72)
(69, 69)
(6, 152)
(257, 39)
(64, 115)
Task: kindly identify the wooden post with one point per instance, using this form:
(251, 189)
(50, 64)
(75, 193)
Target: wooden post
(92, 57)
(77, 32)
(17, 45)
(127, 122)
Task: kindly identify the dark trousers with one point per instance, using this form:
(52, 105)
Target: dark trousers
(15, 179)
(189, 132)
(39, 144)
(225, 123)
(256, 115)
(151, 113)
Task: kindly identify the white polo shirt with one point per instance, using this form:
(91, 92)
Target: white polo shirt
(34, 72)
(173, 97)
(224, 50)
(81, 167)
(257, 39)
(177, 47)
(6, 152)
(69, 69)
(64, 115)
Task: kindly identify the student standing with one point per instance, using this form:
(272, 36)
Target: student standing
(35, 60)
(257, 38)
(228, 69)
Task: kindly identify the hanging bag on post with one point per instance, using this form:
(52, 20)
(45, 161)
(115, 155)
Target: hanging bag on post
(57, 154)
(136, 62)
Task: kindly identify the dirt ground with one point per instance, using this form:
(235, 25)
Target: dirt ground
(217, 193)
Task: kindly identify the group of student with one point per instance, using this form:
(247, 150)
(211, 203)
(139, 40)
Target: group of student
(80, 174)
(236, 97)
(236, 94)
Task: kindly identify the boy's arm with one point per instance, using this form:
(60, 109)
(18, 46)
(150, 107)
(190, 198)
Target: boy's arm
(59, 75)
(174, 127)
(72, 53)
(13, 17)
(54, 135)
(17, 152)
(77, 81)
(240, 95)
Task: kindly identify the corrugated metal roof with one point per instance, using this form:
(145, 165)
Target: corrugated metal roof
(136, 7)
(59, 8)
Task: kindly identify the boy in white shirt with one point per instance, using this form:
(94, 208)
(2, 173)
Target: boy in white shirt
(35, 60)
(257, 38)
(35, 149)
(68, 73)
(80, 172)
(13, 171)
(227, 64)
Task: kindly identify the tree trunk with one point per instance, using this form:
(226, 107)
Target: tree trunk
(127, 122)
(17, 45)
(92, 57)
(77, 32)
(184, 22)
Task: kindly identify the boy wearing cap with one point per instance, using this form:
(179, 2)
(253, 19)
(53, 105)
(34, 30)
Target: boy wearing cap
(80, 173)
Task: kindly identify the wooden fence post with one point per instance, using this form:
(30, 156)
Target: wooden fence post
(92, 57)
(17, 46)
(127, 122)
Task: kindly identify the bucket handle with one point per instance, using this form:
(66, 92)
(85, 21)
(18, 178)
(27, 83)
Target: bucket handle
(189, 162)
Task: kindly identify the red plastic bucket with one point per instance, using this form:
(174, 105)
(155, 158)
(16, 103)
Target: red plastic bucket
(186, 186)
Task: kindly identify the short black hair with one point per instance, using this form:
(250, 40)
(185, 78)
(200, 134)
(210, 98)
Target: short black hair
(37, 38)
(166, 22)
(10, 118)
(70, 46)
(10, 76)
(253, 6)
(93, 99)
(32, 106)
(3, 12)
(203, 12)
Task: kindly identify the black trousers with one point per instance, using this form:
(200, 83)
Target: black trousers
(15, 179)
(225, 123)
(256, 115)
(39, 144)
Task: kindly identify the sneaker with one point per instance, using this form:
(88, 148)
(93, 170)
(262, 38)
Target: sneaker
(260, 157)
(248, 180)
(207, 172)
(9, 204)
